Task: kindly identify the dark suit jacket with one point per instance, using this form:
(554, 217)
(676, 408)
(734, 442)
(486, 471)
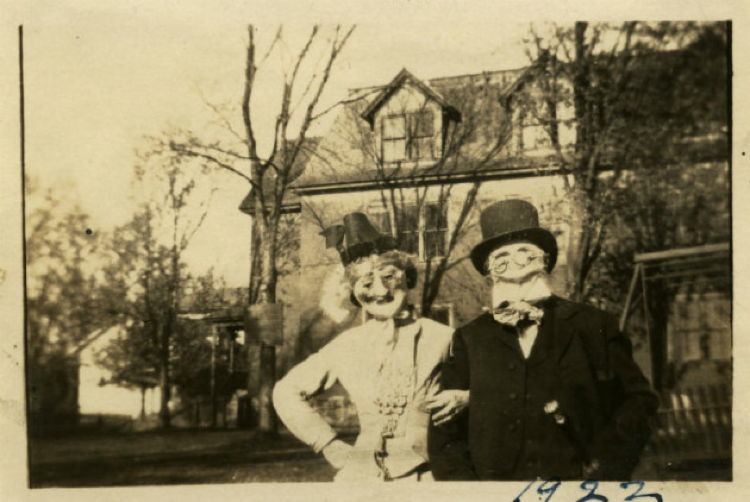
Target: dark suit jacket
(582, 361)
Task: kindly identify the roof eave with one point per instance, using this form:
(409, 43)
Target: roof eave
(368, 113)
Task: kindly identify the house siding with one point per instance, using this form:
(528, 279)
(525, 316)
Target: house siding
(462, 287)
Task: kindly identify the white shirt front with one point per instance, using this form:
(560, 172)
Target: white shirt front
(532, 291)
(527, 337)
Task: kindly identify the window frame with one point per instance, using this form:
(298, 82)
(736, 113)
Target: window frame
(421, 230)
(411, 137)
(393, 139)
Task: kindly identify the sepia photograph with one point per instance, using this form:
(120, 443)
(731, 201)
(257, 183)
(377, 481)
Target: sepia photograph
(459, 248)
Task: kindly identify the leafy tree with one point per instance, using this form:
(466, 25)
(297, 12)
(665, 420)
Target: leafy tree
(63, 304)
(146, 275)
(60, 245)
(133, 358)
(644, 96)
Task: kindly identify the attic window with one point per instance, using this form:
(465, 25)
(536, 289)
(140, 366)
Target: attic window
(408, 136)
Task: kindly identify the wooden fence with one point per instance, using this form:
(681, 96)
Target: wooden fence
(694, 424)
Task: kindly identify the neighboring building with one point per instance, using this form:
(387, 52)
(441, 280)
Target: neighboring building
(98, 395)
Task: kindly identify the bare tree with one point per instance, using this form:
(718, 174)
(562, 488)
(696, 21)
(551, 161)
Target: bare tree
(270, 175)
(448, 138)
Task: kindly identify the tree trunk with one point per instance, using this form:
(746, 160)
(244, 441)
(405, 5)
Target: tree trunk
(164, 384)
(267, 366)
(255, 264)
(431, 288)
(574, 255)
(263, 291)
(164, 378)
(143, 402)
(658, 309)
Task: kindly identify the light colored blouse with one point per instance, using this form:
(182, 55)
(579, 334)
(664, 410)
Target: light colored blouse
(370, 361)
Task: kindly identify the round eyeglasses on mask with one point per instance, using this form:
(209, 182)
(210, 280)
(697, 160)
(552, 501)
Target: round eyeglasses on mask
(519, 257)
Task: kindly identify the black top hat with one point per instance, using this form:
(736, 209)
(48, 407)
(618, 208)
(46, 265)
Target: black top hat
(334, 236)
(357, 238)
(509, 221)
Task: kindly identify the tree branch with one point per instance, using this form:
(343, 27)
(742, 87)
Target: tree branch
(336, 47)
(345, 102)
(250, 70)
(177, 148)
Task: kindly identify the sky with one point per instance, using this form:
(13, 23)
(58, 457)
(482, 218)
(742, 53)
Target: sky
(98, 82)
(100, 76)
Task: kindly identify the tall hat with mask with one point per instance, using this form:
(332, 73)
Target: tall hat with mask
(509, 221)
(358, 238)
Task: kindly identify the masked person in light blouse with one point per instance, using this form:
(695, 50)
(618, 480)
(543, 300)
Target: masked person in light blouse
(390, 366)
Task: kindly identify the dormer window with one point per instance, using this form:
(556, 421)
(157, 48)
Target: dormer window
(409, 119)
(408, 136)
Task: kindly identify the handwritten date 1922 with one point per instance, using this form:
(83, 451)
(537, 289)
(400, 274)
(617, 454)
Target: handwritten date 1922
(545, 491)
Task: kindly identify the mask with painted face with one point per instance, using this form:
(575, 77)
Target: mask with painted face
(379, 286)
(518, 273)
(515, 262)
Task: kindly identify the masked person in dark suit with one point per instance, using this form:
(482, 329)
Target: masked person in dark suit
(554, 391)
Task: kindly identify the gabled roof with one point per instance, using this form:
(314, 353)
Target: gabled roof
(449, 91)
(526, 75)
(398, 81)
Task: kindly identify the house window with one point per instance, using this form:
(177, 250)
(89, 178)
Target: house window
(519, 132)
(409, 136)
(408, 229)
(380, 217)
(423, 232)
(435, 230)
(421, 143)
(394, 138)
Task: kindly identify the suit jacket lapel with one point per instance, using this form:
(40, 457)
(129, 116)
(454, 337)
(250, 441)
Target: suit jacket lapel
(555, 332)
(506, 334)
(564, 311)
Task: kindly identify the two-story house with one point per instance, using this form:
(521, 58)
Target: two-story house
(410, 154)
(422, 157)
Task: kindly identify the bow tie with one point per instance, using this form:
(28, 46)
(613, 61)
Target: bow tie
(512, 314)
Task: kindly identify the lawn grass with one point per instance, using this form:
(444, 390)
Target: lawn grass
(172, 457)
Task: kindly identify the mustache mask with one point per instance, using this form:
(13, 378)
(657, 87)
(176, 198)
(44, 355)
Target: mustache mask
(367, 298)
